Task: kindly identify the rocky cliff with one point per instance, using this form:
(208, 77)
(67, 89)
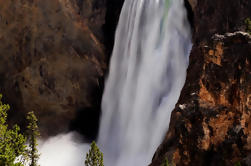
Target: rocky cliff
(53, 56)
(211, 122)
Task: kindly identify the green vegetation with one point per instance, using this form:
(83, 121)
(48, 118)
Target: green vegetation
(12, 142)
(32, 135)
(94, 157)
(237, 164)
(166, 163)
(13, 149)
(248, 25)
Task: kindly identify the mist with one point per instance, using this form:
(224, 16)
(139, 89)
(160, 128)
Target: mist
(62, 150)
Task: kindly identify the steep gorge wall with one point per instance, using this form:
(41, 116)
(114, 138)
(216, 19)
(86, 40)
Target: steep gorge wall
(53, 58)
(210, 124)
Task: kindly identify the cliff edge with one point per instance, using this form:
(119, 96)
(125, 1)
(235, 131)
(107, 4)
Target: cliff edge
(211, 123)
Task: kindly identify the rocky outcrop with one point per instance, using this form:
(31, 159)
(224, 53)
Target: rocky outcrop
(210, 124)
(218, 17)
(52, 60)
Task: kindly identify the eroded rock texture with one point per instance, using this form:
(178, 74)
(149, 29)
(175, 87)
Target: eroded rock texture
(52, 60)
(211, 122)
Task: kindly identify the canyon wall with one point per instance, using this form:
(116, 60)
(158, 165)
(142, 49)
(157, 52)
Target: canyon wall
(53, 58)
(210, 124)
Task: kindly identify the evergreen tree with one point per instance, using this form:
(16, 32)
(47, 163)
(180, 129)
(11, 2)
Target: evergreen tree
(94, 157)
(12, 142)
(32, 135)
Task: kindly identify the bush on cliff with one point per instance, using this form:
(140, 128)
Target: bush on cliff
(166, 163)
(248, 25)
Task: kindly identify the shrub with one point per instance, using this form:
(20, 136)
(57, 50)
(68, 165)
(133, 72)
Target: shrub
(248, 25)
(166, 163)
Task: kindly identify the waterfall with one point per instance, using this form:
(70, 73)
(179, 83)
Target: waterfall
(147, 72)
(146, 75)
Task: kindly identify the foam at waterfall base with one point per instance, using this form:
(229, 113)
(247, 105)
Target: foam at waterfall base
(62, 150)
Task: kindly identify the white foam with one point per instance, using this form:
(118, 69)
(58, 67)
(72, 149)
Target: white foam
(62, 150)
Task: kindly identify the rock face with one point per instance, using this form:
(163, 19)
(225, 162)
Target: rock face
(211, 123)
(52, 60)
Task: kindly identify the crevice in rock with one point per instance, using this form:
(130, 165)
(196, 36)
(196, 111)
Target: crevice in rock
(190, 14)
(111, 20)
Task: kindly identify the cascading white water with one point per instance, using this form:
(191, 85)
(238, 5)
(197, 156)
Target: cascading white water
(147, 72)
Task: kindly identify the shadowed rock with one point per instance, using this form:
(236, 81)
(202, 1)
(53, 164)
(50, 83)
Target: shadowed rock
(52, 59)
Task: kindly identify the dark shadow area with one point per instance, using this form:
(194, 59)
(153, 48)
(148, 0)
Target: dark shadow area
(87, 119)
(190, 14)
(86, 123)
(111, 20)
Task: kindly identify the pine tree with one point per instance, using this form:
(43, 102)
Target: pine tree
(94, 157)
(12, 142)
(32, 134)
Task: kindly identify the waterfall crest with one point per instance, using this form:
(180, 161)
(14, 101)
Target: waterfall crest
(147, 72)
